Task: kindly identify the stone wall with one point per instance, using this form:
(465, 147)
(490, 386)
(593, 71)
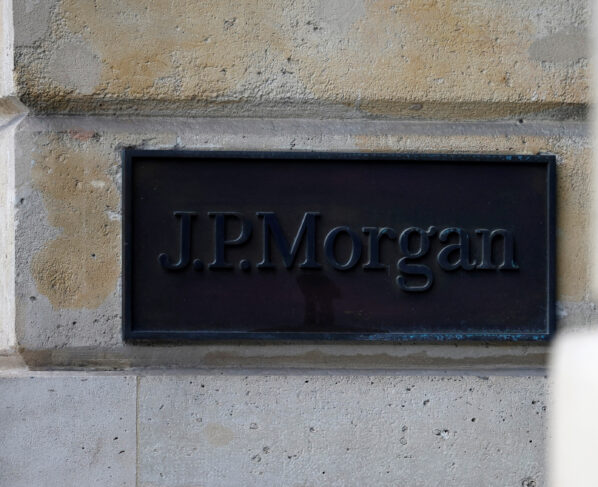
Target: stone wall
(246, 428)
(341, 58)
(82, 80)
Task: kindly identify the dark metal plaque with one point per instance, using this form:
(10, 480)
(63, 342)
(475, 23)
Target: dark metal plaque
(222, 245)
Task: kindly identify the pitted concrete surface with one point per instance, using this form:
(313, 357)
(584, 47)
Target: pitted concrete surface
(341, 431)
(63, 431)
(186, 428)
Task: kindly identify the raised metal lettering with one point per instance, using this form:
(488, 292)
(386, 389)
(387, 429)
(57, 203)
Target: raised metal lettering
(462, 247)
(184, 243)
(220, 242)
(405, 267)
(329, 244)
(271, 228)
(375, 235)
(508, 262)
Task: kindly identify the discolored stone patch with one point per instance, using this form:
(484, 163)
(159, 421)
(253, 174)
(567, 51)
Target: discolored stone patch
(435, 51)
(416, 59)
(79, 268)
(187, 50)
(561, 47)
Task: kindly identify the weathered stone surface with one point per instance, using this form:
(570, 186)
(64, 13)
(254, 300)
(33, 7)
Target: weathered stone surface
(31, 21)
(80, 267)
(68, 238)
(341, 430)
(365, 61)
(417, 59)
(67, 431)
(236, 429)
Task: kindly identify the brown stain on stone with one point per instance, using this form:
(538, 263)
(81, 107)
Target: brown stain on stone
(574, 196)
(452, 57)
(435, 51)
(11, 106)
(82, 135)
(80, 267)
(183, 49)
(573, 190)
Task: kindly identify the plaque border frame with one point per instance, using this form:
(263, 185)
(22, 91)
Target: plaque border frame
(194, 337)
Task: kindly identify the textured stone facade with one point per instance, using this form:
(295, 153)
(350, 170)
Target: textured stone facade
(81, 80)
(358, 58)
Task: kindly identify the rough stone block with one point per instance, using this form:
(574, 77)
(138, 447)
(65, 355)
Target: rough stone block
(68, 240)
(67, 431)
(416, 59)
(341, 431)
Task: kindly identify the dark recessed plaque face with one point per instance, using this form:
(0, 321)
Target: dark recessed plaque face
(333, 246)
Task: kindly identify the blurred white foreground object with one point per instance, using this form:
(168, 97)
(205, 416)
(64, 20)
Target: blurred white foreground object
(573, 435)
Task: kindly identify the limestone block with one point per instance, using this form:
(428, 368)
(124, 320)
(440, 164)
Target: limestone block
(333, 58)
(68, 240)
(337, 430)
(63, 431)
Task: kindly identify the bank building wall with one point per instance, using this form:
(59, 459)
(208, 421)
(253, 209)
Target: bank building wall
(83, 84)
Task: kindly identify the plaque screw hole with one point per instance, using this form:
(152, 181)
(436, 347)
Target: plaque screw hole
(198, 265)
(245, 265)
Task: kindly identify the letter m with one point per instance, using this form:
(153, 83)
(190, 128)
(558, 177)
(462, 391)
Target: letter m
(273, 232)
